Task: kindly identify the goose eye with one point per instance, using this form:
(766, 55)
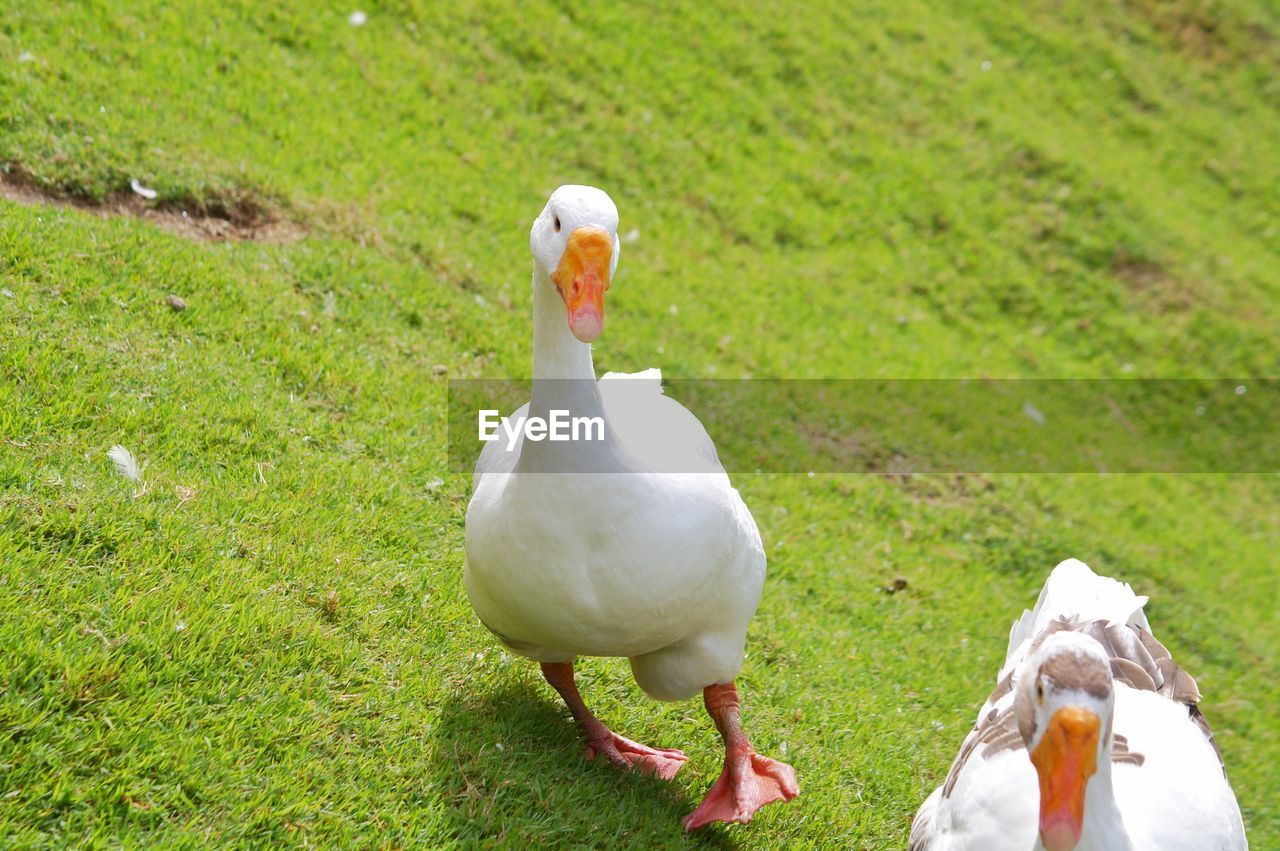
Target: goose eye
(1040, 692)
(557, 223)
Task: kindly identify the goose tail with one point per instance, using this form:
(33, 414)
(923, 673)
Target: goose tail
(1073, 591)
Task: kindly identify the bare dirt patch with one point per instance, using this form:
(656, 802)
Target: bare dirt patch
(1212, 31)
(215, 221)
(1152, 282)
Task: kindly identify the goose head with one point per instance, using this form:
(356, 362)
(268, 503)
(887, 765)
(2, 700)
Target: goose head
(1063, 704)
(575, 248)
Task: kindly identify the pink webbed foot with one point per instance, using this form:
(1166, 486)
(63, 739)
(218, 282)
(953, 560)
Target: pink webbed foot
(662, 763)
(747, 783)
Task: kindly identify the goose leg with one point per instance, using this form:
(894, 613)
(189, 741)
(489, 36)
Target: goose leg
(748, 781)
(662, 763)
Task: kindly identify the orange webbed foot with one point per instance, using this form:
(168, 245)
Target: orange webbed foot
(748, 782)
(662, 763)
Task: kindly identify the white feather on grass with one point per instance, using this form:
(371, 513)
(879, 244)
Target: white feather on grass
(126, 464)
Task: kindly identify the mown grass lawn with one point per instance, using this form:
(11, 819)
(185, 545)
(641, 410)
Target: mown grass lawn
(266, 642)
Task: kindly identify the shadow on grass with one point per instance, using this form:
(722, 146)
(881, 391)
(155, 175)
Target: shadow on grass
(510, 766)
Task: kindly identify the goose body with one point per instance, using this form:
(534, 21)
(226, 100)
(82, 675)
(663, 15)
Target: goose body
(1159, 781)
(633, 543)
(671, 575)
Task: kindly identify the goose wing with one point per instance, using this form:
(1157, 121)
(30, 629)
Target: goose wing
(655, 429)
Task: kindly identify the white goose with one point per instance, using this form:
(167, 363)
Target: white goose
(1092, 740)
(635, 545)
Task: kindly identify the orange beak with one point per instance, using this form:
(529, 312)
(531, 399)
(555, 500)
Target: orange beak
(1065, 759)
(583, 278)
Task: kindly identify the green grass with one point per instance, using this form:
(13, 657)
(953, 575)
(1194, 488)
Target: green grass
(268, 642)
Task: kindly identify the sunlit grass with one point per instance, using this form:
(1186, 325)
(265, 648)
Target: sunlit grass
(266, 640)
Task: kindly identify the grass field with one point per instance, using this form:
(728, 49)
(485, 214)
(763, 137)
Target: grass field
(266, 642)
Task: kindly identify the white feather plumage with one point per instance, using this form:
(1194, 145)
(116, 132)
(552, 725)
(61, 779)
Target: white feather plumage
(126, 464)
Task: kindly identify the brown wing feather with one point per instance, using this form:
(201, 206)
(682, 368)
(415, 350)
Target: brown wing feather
(1129, 673)
(1120, 751)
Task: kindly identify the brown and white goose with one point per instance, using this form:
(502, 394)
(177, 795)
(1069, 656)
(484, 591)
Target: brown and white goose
(1093, 740)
